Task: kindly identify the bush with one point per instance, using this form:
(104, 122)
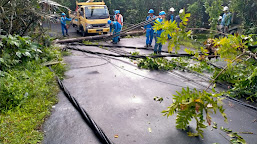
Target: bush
(20, 84)
(22, 74)
(16, 50)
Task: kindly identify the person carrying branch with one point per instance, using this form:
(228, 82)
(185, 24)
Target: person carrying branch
(149, 29)
(63, 23)
(171, 17)
(116, 30)
(157, 33)
(226, 19)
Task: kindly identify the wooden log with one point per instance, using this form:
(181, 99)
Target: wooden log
(97, 37)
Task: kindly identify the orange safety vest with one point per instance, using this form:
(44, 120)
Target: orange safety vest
(119, 19)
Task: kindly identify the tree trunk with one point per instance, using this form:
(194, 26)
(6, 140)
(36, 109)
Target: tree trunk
(98, 37)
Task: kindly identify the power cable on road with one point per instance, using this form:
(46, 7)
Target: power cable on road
(91, 123)
(126, 56)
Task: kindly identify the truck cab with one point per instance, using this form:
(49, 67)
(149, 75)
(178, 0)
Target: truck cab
(91, 17)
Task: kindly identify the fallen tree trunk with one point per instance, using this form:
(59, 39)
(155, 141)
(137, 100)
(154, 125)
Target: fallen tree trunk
(97, 37)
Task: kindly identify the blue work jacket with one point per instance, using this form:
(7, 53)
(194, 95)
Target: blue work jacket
(64, 19)
(172, 18)
(116, 27)
(226, 19)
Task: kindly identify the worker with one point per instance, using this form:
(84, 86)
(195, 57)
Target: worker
(118, 17)
(219, 26)
(157, 33)
(149, 29)
(116, 30)
(171, 17)
(226, 19)
(63, 23)
(178, 19)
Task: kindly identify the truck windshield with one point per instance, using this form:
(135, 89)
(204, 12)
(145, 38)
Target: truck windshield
(96, 12)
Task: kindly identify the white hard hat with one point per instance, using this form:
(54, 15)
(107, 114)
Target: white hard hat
(172, 9)
(225, 8)
(220, 17)
(181, 11)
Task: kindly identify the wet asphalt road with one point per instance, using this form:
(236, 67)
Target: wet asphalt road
(119, 97)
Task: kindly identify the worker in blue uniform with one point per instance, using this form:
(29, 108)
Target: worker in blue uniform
(226, 19)
(177, 18)
(149, 29)
(171, 17)
(63, 23)
(157, 33)
(116, 27)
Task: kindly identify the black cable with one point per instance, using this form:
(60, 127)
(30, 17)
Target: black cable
(139, 74)
(235, 100)
(131, 56)
(91, 123)
(113, 46)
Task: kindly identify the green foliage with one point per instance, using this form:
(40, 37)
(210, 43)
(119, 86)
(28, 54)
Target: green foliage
(246, 11)
(21, 17)
(213, 9)
(27, 88)
(234, 137)
(16, 50)
(135, 53)
(18, 84)
(89, 43)
(33, 91)
(197, 11)
(156, 64)
(246, 88)
(178, 33)
(180, 63)
(193, 104)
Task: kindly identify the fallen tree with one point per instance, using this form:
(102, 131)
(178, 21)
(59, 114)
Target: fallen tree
(97, 37)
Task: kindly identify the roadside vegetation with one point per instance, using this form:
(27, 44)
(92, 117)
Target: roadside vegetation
(241, 72)
(28, 88)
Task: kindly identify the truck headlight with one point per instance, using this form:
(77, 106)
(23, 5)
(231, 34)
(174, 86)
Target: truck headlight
(89, 26)
(107, 25)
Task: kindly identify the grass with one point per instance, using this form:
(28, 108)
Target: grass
(29, 90)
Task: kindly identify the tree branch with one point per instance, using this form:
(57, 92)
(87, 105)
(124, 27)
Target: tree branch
(224, 70)
(204, 29)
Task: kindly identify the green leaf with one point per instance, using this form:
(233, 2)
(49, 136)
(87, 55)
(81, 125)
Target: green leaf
(27, 54)
(1, 60)
(18, 54)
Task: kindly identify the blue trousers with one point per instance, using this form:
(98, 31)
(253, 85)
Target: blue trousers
(157, 46)
(169, 37)
(149, 36)
(64, 28)
(116, 39)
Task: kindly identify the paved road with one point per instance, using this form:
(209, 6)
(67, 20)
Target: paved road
(119, 97)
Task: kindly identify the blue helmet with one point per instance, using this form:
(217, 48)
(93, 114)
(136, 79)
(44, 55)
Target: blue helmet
(162, 13)
(117, 11)
(63, 14)
(151, 11)
(109, 21)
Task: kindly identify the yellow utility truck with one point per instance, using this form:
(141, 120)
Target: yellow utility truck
(91, 17)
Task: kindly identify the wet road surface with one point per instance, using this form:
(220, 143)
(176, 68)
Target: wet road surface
(119, 97)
